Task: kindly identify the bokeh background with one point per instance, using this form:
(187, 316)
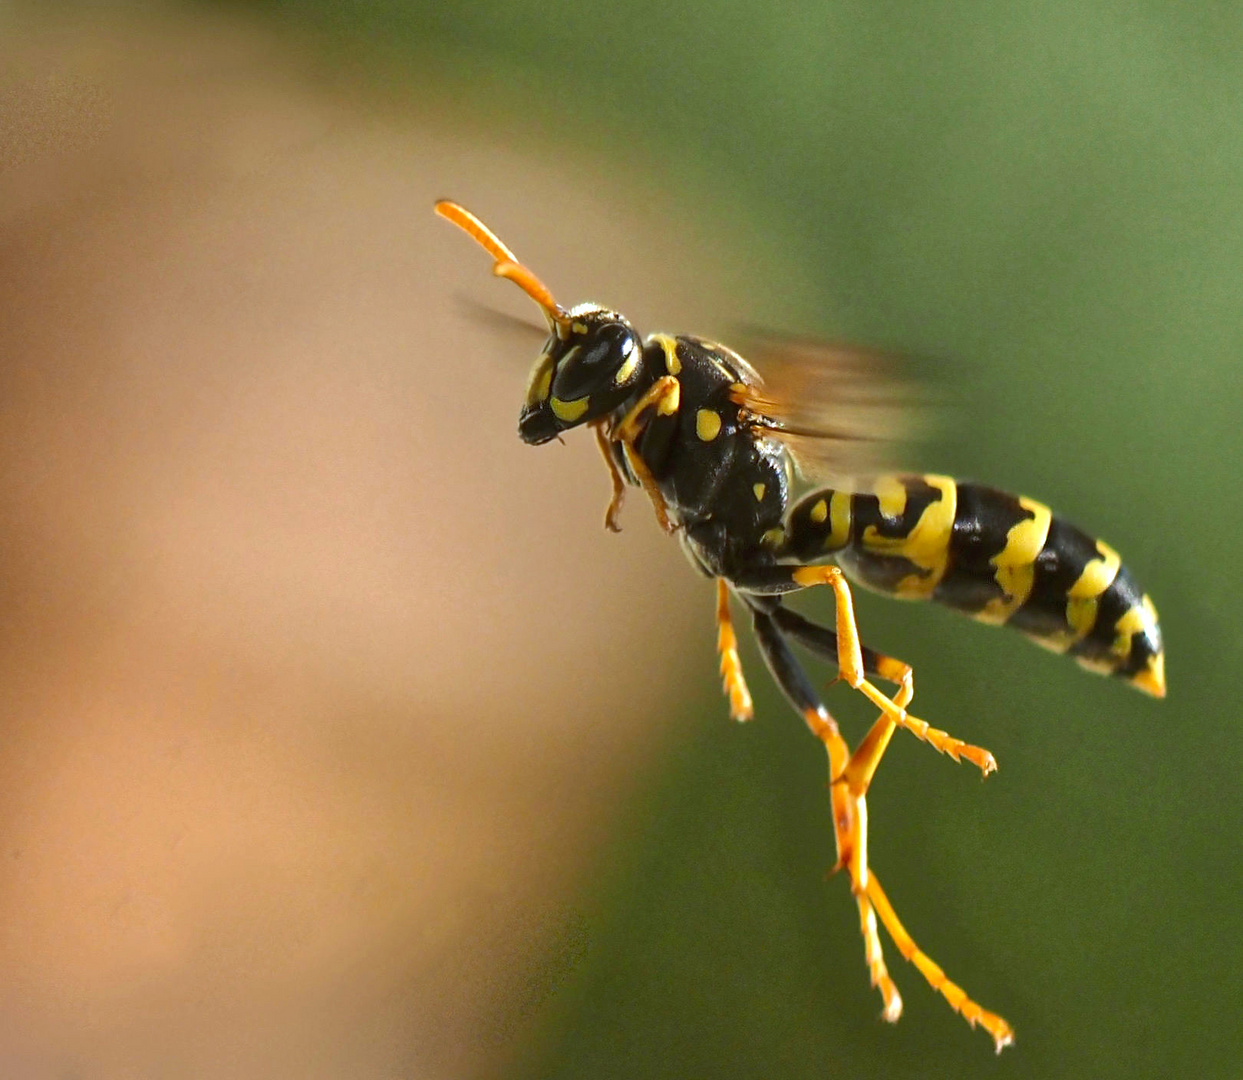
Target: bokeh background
(336, 737)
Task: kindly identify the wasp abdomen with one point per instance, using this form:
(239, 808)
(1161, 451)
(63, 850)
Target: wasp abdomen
(1000, 558)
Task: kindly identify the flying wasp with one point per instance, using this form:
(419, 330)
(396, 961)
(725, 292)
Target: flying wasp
(712, 444)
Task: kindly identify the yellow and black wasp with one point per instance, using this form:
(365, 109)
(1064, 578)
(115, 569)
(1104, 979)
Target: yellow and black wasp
(712, 444)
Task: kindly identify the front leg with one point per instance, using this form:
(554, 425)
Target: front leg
(619, 482)
(655, 412)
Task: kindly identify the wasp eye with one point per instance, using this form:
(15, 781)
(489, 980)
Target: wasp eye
(594, 364)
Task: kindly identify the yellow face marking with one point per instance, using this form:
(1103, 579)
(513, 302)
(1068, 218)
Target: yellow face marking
(819, 512)
(579, 328)
(758, 490)
(540, 380)
(670, 348)
(926, 545)
(891, 495)
(840, 517)
(569, 411)
(707, 424)
(1016, 570)
(628, 365)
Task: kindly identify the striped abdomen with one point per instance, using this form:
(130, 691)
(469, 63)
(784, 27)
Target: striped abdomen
(1000, 558)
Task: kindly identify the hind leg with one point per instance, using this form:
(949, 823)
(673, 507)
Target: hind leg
(776, 580)
(850, 776)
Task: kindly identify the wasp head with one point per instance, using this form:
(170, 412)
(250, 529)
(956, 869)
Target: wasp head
(590, 364)
(592, 360)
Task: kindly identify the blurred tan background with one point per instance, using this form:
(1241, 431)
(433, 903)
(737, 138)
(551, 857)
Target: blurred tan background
(303, 731)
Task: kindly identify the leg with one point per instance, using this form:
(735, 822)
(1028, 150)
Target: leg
(850, 663)
(619, 483)
(823, 642)
(850, 775)
(740, 707)
(664, 396)
(771, 580)
(996, 1026)
(849, 809)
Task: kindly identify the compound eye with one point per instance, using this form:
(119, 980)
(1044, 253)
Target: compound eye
(593, 365)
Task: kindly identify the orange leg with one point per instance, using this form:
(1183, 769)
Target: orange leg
(619, 484)
(850, 776)
(850, 664)
(850, 833)
(996, 1026)
(740, 707)
(664, 396)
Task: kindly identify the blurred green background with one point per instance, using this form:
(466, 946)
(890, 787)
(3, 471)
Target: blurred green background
(1049, 197)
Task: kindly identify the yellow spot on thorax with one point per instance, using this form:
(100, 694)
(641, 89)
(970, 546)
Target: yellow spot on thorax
(707, 424)
(758, 490)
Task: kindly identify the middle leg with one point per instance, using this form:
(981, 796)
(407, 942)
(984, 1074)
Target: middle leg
(850, 658)
(740, 707)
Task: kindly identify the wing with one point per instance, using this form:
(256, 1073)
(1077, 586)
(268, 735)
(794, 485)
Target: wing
(501, 322)
(843, 411)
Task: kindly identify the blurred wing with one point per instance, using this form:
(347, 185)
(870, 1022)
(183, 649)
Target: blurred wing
(501, 322)
(843, 411)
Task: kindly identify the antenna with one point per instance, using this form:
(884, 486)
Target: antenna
(506, 263)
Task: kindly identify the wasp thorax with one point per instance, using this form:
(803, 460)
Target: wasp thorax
(589, 366)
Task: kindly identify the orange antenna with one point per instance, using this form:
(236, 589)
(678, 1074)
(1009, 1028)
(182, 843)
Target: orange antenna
(506, 263)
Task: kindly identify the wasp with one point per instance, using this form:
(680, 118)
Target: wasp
(712, 444)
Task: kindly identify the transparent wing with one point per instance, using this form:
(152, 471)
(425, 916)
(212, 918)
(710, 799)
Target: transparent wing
(843, 411)
(503, 323)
